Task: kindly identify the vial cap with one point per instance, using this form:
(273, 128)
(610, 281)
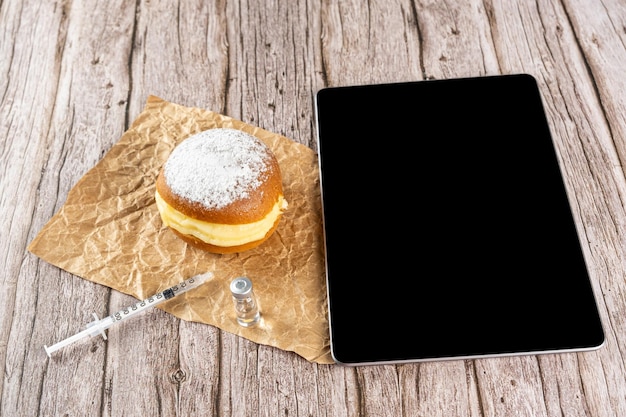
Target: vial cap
(241, 287)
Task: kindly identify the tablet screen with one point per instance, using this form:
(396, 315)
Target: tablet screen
(448, 230)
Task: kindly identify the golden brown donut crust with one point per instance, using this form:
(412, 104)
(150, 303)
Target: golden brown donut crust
(256, 206)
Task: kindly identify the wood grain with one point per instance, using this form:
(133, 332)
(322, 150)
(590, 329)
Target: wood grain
(75, 74)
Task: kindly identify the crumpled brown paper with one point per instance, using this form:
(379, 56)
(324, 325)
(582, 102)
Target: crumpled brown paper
(109, 232)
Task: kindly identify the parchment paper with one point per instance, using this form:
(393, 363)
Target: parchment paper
(109, 232)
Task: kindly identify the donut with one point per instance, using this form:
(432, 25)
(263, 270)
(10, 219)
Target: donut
(221, 191)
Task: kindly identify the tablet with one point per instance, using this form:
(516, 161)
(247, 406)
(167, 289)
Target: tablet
(447, 226)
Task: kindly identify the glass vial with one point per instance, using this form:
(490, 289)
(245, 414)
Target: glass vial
(245, 303)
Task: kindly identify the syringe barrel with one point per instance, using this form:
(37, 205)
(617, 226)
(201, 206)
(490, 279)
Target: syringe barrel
(138, 307)
(160, 297)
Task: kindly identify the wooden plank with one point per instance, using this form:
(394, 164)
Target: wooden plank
(441, 389)
(272, 49)
(68, 96)
(178, 54)
(200, 375)
(550, 52)
(599, 33)
(141, 368)
(456, 39)
(377, 43)
(31, 158)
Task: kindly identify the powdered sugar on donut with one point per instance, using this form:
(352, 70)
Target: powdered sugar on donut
(217, 167)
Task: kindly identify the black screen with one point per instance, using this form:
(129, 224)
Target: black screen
(447, 225)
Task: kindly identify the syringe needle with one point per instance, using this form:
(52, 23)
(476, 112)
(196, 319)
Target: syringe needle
(98, 326)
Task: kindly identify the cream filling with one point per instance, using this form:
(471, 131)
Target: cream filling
(224, 235)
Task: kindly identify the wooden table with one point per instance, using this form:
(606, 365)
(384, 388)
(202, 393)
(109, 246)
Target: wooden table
(75, 74)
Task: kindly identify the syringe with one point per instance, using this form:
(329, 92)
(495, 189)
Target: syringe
(98, 326)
